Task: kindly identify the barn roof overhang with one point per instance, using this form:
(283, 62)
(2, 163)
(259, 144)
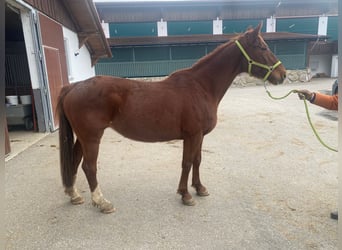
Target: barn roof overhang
(205, 39)
(151, 11)
(88, 28)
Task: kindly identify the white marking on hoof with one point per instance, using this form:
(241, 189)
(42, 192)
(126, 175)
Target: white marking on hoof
(100, 202)
(75, 197)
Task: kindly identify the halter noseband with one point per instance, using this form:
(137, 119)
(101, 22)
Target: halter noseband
(252, 62)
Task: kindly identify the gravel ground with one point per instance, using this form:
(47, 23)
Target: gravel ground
(271, 184)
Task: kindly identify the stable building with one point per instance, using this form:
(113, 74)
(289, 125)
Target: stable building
(156, 38)
(48, 44)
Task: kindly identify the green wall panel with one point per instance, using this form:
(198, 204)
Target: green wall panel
(163, 60)
(211, 48)
(142, 69)
(333, 28)
(293, 61)
(307, 25)
(133, 29)
(240, 26)
(291, 53)
(293, 48)
(120, 55)
(187, 52)
(189, 27)
(151, 53)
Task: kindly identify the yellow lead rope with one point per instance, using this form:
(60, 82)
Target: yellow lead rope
(269, 71)
(307, 115)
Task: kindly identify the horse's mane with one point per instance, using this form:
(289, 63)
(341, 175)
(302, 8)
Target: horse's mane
(218, 49)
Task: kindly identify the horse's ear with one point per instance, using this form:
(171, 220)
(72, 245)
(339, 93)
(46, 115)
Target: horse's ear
(257, 29)
(255, 33)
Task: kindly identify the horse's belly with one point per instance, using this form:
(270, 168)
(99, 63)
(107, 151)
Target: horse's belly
(150, 129)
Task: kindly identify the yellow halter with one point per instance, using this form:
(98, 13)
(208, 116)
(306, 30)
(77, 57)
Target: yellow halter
(252, 62)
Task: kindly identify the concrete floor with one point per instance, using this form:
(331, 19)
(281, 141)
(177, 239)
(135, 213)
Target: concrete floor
(22, 139)
(271, 184)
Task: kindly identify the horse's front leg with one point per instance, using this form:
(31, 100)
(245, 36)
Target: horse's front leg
(90, 169)
(183, 184)
(190, 147)
(196, 182)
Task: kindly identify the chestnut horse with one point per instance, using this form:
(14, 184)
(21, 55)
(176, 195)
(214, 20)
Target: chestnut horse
(183, 106)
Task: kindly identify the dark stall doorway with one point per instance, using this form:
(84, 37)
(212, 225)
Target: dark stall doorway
(20, 112)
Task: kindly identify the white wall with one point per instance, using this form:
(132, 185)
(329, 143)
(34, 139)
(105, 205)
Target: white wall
(162, 28)
(320, 64)
(78, 60)
(322, 26)
(217, 27)
(271, 24)
(105, 27)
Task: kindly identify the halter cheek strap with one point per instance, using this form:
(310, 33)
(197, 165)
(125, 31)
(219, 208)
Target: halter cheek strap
(252, 62)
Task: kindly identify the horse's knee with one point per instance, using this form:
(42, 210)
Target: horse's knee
(197, 161)
(186, 165)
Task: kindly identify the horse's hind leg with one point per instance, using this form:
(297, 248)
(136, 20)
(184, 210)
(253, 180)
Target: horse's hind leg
(75, 197)
(89, 165)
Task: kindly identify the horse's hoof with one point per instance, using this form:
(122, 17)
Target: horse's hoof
(108, 210)
(77, 200)
(189, 202)
(203, 192)
(105, 207)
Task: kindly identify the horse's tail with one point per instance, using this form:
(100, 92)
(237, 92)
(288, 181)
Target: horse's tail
(66, 141)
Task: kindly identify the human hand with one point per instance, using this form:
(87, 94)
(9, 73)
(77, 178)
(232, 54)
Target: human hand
(304, 93)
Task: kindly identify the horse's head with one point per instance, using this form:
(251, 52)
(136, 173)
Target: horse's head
(259, 61)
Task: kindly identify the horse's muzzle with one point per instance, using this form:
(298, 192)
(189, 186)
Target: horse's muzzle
(278, 76)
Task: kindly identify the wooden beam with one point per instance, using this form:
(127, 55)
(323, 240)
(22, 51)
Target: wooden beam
(84, 36)
(82, 39)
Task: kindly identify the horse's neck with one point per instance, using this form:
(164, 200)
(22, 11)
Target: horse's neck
(217, 70)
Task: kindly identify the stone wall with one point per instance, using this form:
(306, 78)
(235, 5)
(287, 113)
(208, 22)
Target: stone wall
(244, 79)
